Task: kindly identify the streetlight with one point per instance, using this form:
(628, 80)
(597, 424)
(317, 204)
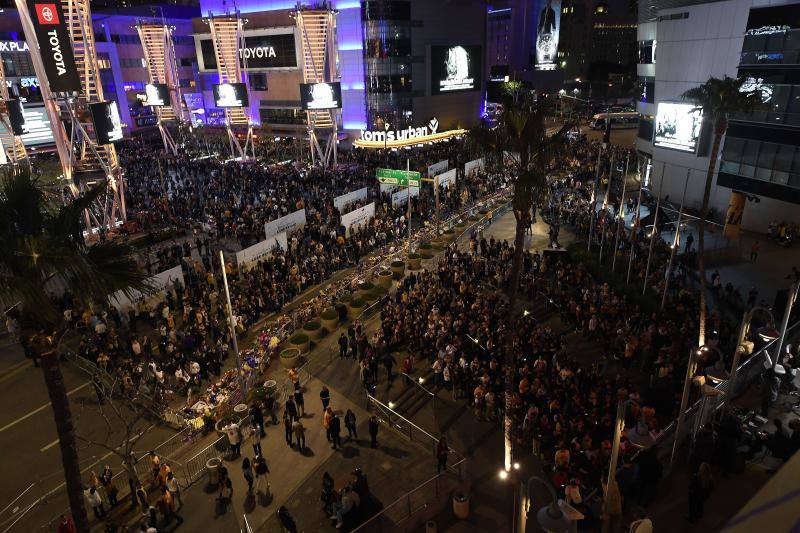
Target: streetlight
(550, 517)
(386, 127)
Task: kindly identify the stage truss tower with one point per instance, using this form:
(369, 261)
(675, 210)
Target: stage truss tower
(317, 29)
(83, 161)
(12, 144)
(159, 55)
(228, 37)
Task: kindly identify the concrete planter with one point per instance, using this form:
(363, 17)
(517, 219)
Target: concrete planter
(385, 279)
(449, 236)
(414, 261)
(355, 308)
(330, 319)
(290, 358)
(365, 288)
(313, 329)
(398, 267)
(301, 341)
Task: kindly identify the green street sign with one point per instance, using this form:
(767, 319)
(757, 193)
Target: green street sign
(402, 178)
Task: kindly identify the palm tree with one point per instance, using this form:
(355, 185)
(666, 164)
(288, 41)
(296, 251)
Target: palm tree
(519, 141)
(718, 99)
(43, 247)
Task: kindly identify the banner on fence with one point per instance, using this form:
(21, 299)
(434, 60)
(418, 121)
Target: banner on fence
(446, 179)
(510, 158)
(161, 283)
(401, 196)
(253, 254)
(358, 217)
(287, 223)
(470, 167)
(340, 201)
(387, 187)
(438, 168)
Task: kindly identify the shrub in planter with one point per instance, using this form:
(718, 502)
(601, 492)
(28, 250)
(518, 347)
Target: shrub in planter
(290, 357)
(301, 341)
(483, 212)
(330, 319)
(449, 235)
(364, 288)
(398, 267)
(313, 329)
(345, 299)
(355, 307)
(414, 261)
(425, 246)
(372, 295)
(474, 218)
(380, 291)
(257, 394)
(385, 279)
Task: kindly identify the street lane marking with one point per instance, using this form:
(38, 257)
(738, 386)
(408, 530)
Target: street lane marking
(11, 373)
(38, 409)
(48, 446)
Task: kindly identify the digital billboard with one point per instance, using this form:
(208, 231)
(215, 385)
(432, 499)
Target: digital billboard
(678, 126)
(107, 122)
(156, 94)
(16, 116)
(315, 96)
(455, 68)
(35, 124)
(547, 28)
(230, 95)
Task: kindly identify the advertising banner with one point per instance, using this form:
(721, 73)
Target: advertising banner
(446, 179)
(156, 95)
(55, 45)
(349, 198)
(733, 218)
(456, 68)
(264, 49)
(387, 187)
(401, 196)
(678, 126)
(357, 218)
(161, 283)
(287, 223)
(107, 122)
(438, 168)
(470, 167)
(547, 28)
(253, 254)
(230, 95)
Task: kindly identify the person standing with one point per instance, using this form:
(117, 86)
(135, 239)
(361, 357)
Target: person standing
(107, 480)
(257, 417)
(754, 251)
(291, 407)
(326, 422)
(373, 431)
(174, 488)
(336, 432)
(66, 525)
(234, 438)
(166, 504)
(287, 427)
(300, 435)
(261, 473)
(258, 433)
(699, 490)
(325, 397)
(300, 401)
(342, 345)
(350, 424)
(96, 502)
(286, 520)
(247, 472)
(441, 454)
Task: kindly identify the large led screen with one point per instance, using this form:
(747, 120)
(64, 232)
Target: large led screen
(36, 126)
(455, 68)
(547, 28)
(107, 122)
(678, 126)
(314, 96)
(156, 94)
(260, 52)
(230, 95)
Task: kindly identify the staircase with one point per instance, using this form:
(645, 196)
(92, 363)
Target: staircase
(226, 34)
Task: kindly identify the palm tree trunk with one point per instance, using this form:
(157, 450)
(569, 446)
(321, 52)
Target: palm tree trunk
(54, 380)
(719, 130)
(521, 217)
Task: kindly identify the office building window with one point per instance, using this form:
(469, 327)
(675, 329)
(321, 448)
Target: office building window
(258, 81)
(760, 160)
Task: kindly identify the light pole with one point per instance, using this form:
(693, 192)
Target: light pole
(655, 229)
(621, 214)
(640, 437)
(605, 208)
(232, 324)
(635, 218)
(550, 517)
(592, 200)
(675, 241)
(386, 127)
(767, 333)
(785, 322)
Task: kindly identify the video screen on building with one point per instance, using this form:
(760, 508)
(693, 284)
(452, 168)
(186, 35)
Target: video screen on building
(230, 95)
(455, 68)
(107, 122)
(678, 126)
(547, 29)
(16, 116)
(315, 96)
(260, 52)
(156, 95)
(36, 126)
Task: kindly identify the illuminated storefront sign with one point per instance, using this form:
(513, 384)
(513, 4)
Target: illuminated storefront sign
(405, 137)
(14, 46)
(264, 49)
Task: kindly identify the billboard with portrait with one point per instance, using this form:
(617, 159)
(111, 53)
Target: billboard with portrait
(107, 122)
(455, 68)
(156, 94)
(230, 95)
(316, 96)
(548, 25)
(678, 126)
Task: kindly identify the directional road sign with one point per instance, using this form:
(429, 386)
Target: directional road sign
(402, 178)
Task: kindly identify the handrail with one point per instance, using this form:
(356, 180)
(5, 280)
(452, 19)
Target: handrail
(398, 415)
(419, 384)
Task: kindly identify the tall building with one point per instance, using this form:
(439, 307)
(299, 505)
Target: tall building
(682, 47)
(510, 36)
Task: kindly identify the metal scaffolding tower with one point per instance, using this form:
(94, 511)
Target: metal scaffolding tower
(159, 56)
(83, 161)
(317, 28)
(228, 38)
(12, 144)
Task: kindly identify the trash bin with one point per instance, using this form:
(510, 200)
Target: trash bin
(212, 466)
(240, 411)
(430, 526)
(461, 505)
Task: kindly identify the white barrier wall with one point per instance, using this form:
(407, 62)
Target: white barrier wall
(359, 217)
(446, 179)
(438, 168)
(343, 200)
(253, 254)
(476, 165)
(161, 283)
(401, 196)
(287, 223)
